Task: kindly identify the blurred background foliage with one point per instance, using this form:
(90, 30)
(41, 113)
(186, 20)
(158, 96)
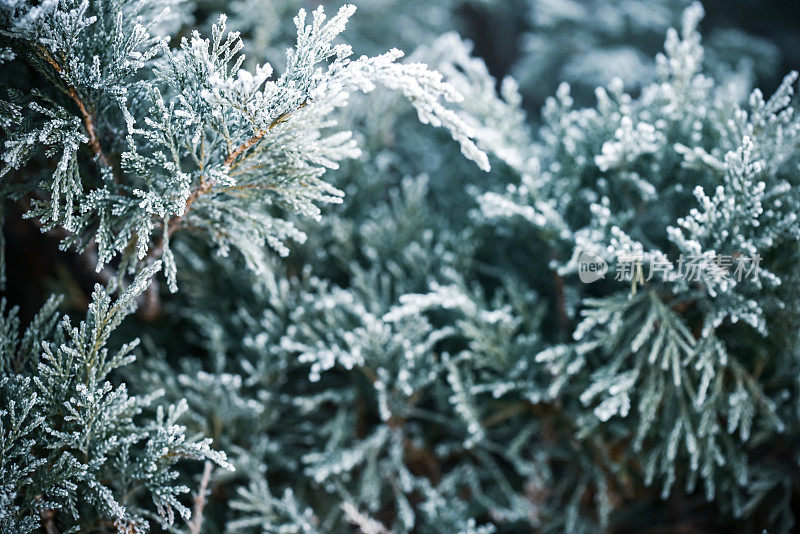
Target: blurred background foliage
(538, 42)
(408, 225)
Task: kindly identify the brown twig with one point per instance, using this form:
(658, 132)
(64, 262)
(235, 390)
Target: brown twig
(201, 189)
(196, 524)
(88, 117)
(244, 146)
(258, 135)
(153, 304)
(205, 185)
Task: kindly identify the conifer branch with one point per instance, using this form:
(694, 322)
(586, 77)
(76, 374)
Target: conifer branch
(436, 357)
(231, 159)
(196, 524)
(87, 116)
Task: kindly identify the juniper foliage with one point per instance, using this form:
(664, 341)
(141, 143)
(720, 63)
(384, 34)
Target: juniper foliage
(208, 146)
(422, 357)
(74, 443)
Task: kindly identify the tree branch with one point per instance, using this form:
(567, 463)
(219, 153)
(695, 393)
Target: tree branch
(88, 117)
(196, 524)
(259, 134)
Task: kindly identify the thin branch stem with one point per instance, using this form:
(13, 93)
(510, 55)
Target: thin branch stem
(244, 146)
(229, 161)
(196, 524)
(88, 117)
(153, 304)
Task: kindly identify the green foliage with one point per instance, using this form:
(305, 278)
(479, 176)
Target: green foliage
(74, 443)
(210, 147)
(423, 357)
